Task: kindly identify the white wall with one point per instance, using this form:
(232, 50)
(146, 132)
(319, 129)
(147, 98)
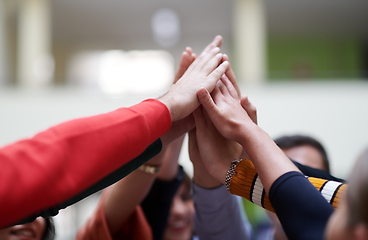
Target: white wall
(334, 112)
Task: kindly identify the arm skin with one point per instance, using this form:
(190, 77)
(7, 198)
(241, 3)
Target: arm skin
(56, 165)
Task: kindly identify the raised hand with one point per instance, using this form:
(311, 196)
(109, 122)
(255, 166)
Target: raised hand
(204, 72)
(184, 125)
(225, 110)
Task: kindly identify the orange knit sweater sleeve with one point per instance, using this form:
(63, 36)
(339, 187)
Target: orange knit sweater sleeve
(247, 184)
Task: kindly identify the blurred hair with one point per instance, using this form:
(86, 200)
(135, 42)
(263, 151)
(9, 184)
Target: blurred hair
(357, 192)
(50, 233)
(286, 142)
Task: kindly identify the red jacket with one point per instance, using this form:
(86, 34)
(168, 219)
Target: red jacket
(57, 164)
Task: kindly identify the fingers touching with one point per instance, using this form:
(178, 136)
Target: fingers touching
(231, 76)
(187, 58)
(217, 42)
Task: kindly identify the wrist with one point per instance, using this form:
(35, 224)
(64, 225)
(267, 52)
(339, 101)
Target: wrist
(150, 169)
(169, 101)
(249, 134)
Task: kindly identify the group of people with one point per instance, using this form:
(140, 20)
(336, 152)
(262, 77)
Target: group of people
(132, 153)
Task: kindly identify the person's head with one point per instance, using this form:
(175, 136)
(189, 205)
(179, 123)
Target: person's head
(305, 150)
(39, 229)
(350, 220)
(180, 223)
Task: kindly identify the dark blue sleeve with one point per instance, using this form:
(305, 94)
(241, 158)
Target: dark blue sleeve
(317, 173)
(302, 210)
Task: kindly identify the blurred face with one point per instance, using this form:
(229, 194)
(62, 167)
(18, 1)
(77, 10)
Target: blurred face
(180, 223)
(29, 231)
(306, 155)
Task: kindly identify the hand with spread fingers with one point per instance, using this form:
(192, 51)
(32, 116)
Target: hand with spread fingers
(204, 72)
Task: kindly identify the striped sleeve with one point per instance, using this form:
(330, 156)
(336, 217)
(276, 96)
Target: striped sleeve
(330, 190)
(247, 184)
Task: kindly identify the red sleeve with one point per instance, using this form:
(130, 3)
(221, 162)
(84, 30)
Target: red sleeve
(62, 161)
(96, 228)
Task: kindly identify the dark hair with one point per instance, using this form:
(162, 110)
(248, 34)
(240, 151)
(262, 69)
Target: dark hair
(357, 192)
(49, 229)
(291, 141)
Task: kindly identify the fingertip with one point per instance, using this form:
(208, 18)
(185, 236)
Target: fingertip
(202, 92)
(216, 49)
(189, 50)
(218, 38)
(225, 64)
(247, 101)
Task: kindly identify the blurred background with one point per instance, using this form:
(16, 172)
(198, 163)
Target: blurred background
(304, 64)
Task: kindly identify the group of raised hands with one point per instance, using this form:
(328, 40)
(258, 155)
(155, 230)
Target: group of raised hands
(206, 102)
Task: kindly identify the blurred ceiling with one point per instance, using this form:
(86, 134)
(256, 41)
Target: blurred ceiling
(115, 22)
(327, 17)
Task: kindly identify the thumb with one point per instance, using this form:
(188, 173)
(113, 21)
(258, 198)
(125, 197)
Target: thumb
(206, 100)
(249, 108)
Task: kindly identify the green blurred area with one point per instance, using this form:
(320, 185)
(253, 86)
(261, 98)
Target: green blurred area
(317, 58)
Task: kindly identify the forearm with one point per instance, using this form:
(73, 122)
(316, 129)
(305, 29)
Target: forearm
(265, 155)
(246, 183)
(123, 197)
(134, 188)
(169, 167)
(61, 162)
